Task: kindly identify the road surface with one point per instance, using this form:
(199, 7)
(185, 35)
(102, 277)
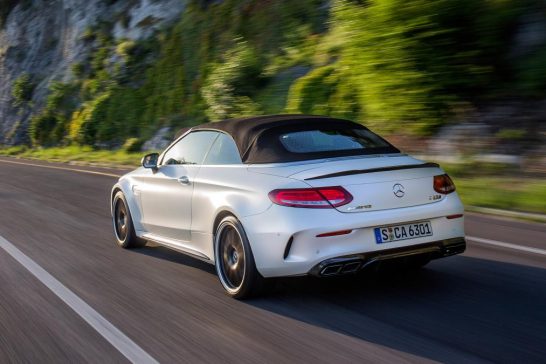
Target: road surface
(69, 294)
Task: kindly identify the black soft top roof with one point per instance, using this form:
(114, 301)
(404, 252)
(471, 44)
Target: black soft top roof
(256, 145)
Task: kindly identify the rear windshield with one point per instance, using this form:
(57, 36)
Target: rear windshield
(325, 140)
(306, 142)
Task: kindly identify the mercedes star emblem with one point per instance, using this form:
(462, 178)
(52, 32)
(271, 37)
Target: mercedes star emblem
(398, 190)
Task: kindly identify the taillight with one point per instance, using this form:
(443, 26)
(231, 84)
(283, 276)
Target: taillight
(443, 184)
(318, 198)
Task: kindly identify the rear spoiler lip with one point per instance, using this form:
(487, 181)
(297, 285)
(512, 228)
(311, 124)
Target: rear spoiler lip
(374, 170)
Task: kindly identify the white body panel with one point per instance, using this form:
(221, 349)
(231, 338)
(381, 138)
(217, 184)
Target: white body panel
(166, 203)
(308, 250)
(182, 216)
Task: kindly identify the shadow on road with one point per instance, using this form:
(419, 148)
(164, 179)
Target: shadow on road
(160, 252)
(453, 309)
(458, 306)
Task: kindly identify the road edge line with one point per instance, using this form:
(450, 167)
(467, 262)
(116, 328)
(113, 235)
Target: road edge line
(62, 168)
(108, 331)
(506, 245)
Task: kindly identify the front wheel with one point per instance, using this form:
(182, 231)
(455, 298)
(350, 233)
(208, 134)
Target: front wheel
(123, 224)
(235, 264)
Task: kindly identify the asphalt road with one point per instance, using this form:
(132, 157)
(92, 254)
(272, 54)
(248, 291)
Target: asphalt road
(487, 305)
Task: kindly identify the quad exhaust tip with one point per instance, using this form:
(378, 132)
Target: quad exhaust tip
(340, 268)
(354, 263)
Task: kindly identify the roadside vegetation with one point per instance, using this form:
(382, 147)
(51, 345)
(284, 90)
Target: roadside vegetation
(505, 193)
(498, 187)
(404, 67)
(394, 65)
(78, 154)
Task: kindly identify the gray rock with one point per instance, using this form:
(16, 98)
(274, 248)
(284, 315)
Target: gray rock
(43, 38)
(159, 141)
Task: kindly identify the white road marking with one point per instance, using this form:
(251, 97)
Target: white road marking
(507, 245)
(62, 168)
(113, 335)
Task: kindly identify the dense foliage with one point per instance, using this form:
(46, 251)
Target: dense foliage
(392, 64)
(22, 90)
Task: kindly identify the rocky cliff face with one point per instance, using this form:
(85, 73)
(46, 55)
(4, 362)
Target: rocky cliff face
(102, 72)
(44, 38)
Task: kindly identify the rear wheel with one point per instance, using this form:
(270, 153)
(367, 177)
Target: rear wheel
(123, 224)
(235, 264)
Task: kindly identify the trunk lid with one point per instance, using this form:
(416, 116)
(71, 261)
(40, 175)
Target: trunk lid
(375, 182)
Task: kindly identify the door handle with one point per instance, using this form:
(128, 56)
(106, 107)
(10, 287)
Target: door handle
(184, 180)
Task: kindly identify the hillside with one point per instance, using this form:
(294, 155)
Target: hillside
(105, 73)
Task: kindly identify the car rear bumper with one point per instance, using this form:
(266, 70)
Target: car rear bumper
(354, 263)
(285, 241)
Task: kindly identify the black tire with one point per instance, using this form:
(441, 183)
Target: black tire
(124, 230)
(235, 264)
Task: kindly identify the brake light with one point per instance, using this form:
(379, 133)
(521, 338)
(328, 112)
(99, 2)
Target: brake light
(443, 184)
(324, 197)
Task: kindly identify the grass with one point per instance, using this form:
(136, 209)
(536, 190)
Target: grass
(498, 186)
(507, 193)
(85, 155)
(484, 186)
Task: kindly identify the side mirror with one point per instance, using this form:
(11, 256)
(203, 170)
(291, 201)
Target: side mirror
(150, 161)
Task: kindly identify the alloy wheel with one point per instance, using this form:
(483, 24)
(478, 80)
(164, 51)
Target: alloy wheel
(231, 255)
(121, 220)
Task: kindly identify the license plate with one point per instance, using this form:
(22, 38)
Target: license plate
(389, 234)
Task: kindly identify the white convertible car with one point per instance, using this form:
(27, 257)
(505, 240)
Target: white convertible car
(288, 195)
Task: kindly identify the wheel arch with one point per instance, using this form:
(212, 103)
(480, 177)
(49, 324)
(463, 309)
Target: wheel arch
(117, 188)
(220, 215)
(124, 186)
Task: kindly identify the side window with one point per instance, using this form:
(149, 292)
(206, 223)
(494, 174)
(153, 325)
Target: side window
(223, 151)
(191, 149)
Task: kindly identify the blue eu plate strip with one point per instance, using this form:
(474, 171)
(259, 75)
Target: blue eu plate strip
(377, 232)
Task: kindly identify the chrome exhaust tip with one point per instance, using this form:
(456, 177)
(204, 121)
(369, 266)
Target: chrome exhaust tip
(331, 270)
(340, 268)
(350, 268)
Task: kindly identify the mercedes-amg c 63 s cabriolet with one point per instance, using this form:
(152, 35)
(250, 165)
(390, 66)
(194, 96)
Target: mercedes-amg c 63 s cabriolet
(288, 195)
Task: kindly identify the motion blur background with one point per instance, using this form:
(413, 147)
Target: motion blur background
(462, 82)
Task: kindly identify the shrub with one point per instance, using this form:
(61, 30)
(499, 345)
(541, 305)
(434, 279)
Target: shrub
(77, 69)
(310, 94)
(132, 145)
(229, 85)
(125, 49)
(41, 129)
(88, 35)
(22, 90)
(86, 120)
(49, 126)
(60, 97)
